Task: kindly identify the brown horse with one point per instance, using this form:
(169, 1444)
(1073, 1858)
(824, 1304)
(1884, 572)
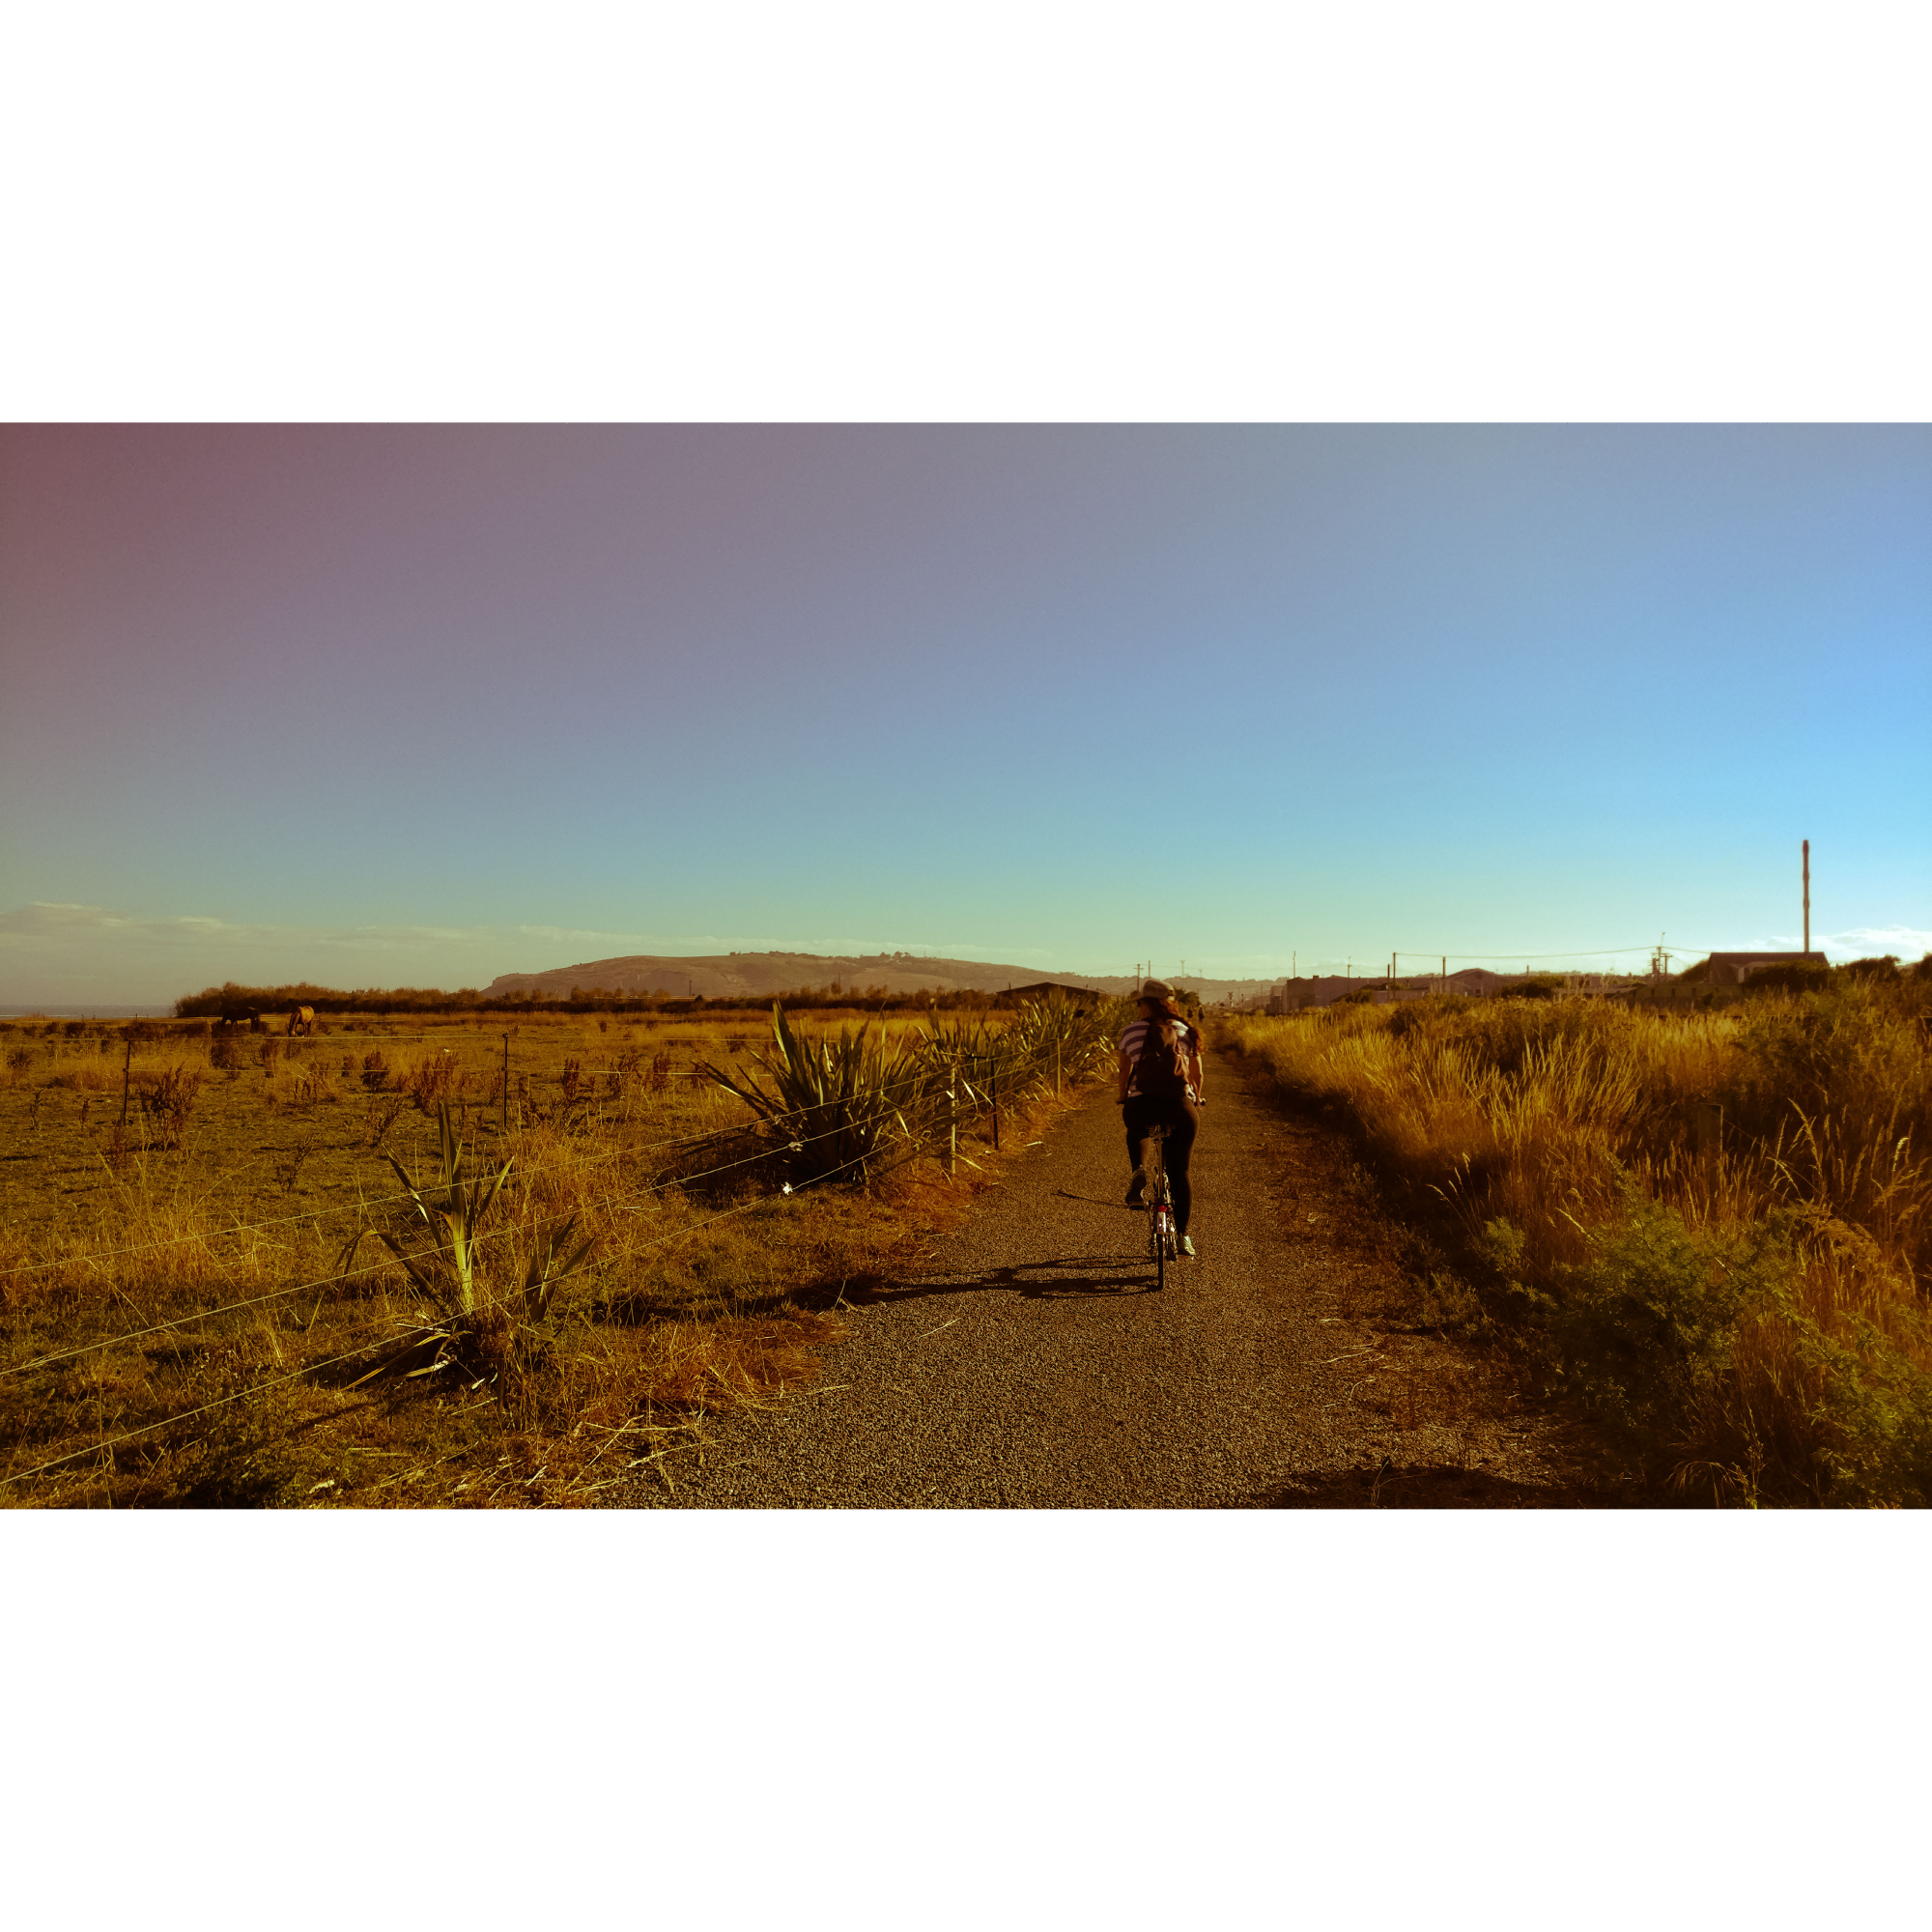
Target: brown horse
(301, 1020)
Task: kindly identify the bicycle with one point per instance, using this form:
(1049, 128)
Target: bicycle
(1163, 1239)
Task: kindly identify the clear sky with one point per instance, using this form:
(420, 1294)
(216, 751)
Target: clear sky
(421, 705)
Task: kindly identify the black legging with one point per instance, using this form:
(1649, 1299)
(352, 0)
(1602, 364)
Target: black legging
(1181, 1118)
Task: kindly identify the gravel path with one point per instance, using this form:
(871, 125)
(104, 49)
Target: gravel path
(1035, 1366)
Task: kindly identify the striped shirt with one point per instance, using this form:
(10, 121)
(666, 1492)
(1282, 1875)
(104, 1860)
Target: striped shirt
(1130, 1044)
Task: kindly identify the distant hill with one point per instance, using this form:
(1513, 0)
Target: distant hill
(758, 976)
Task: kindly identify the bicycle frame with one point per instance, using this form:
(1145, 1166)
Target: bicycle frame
(1163, 1242)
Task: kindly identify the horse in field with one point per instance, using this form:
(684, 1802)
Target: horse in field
(301, 1020)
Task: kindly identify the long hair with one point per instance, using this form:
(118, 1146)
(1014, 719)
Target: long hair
(1167, 1011)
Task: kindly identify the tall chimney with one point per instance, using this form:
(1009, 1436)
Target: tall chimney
(1807, 899)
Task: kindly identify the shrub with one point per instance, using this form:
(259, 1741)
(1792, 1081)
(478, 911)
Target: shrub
(1717, 1227)
(168, 1100)
(1793, 976)
(1646, 1324)
(429, 1082)
(1542, 986)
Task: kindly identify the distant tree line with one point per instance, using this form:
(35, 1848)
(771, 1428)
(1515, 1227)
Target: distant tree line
(232, 1003)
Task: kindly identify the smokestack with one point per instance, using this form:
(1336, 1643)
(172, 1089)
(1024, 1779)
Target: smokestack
(1807, 899)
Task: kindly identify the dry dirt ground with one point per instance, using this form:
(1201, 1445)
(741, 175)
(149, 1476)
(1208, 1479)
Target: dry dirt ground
(1031, 1364)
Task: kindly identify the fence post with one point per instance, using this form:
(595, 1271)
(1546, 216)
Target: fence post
(952, 1121)
(126, 1066)
(505, 1129)
(993, 1069)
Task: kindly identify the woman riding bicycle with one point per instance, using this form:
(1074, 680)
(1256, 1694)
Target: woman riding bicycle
(1159, 1068)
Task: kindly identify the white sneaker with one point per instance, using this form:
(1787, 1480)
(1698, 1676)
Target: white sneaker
(1187, 1247)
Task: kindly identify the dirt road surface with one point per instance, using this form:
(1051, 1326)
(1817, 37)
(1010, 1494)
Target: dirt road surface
(1033, 1365)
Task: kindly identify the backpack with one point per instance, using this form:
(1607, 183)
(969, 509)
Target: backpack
(1161, 1070)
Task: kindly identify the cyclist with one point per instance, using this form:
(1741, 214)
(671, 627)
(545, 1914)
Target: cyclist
(1159, 1069)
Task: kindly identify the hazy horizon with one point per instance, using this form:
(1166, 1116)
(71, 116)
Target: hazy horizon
(426, 705)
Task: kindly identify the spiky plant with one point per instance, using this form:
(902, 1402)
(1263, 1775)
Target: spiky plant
(834, 1104)
(451, 1209)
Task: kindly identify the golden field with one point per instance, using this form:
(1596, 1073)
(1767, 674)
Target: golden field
(189, 1279)
(1714, 1229)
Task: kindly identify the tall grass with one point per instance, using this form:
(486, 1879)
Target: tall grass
(1715, 1229)
(842, 1106)
(141, 1282)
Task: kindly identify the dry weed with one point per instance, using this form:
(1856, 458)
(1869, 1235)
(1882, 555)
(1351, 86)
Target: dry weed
(1719, 1226)
(210, 1269)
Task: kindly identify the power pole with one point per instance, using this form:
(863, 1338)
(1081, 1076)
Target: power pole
(1807, 899)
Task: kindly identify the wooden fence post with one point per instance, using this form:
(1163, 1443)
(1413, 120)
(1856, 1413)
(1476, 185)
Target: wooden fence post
(952, 1122)
(506, 1084)
(126, 1066)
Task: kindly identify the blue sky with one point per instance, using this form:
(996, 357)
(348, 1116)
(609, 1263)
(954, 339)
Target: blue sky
(400, 705)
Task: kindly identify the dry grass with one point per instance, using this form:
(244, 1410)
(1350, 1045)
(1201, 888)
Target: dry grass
(709, 1287)
(1716, 1228)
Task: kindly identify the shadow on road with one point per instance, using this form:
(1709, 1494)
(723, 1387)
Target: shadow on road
(1422, 1485)
(1070, 1275)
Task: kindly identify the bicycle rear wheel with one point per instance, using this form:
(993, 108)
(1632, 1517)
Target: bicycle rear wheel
(1157, 1208)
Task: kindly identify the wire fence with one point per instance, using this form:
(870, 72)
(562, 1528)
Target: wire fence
(312, 1369)
(960, 1078)
(362, 1202)
(975, 1059)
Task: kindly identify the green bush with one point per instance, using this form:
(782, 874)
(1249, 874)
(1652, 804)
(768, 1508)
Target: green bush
(1795, 976)
(1647, 1324)
(1542, 987)
(1876, 1408)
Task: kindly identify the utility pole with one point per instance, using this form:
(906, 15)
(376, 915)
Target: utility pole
(1807, 899)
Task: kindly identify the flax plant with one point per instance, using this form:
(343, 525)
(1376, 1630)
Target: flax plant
(834, 1106)
(451, 1209)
